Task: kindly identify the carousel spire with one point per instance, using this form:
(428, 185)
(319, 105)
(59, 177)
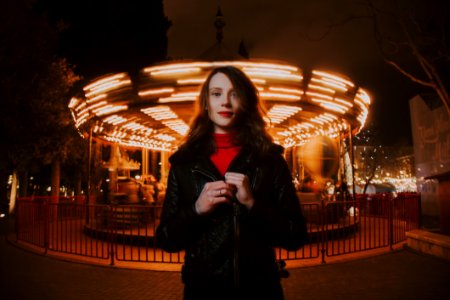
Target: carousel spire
(219, 23)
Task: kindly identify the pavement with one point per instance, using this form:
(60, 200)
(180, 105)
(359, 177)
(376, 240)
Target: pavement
(400, 274)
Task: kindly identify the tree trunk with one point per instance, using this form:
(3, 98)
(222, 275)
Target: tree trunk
(54, 183)
(23, 180)
(55, 179)
(78, 182)
(368, 182)
(4, 202)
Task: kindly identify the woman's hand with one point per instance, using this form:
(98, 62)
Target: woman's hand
(213, 194)
(241, 184)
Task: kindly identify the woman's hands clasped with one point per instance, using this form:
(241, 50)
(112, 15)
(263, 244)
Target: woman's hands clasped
(214, 193)
(241, 183)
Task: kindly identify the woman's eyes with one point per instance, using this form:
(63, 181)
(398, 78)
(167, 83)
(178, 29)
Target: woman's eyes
(219, 94)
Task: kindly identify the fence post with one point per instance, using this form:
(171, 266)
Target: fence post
(46, 225)
(323, 226)
(16, 220)
(111, 233)
(419, 210)
(391, 222)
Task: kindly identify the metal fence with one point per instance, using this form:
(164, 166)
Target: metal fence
(125, 233)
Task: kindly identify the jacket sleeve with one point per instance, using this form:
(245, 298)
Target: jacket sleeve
(177, 218)
(280, 217)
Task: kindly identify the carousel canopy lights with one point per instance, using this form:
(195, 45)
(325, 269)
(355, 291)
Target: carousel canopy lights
(156, 116)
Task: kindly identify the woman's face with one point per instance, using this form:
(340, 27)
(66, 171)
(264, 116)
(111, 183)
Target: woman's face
(223, 103)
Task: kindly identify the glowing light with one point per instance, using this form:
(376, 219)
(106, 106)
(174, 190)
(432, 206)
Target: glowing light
(327, 109)
(334, 77)
(321, 88)
(363, 96)
(106, 86)
(81, 106)
(115, 120)
(279, 96)
(73, 102)
(176, 99)
(275, 75)
(109, 109)
(258, 80)
(170, 67)
(330, 105)
(96, 98)
(135, 126)
(97, 105)
(191, 81)
(165, 137)
(98, 128)
(177, 126)
(279, 113)
(97, 83)
(344, 102)
(330, 84)
(175, 71)
(156, 91)
(285, 90)
(160, 112)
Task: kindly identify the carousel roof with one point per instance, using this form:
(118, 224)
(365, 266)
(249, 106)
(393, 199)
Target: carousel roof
(154, 110)
(155, 113)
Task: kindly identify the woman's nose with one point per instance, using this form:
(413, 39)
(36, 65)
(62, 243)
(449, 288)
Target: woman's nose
(226, 101)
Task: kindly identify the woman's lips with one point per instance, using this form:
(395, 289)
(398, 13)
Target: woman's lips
(226, 114)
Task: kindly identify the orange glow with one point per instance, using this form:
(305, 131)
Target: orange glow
(158, 113)
(279, 96)
(175, 71)
(334, 77)
(330, 84)
(156, 91)
(109, 109)
(97, 83)
(285, 90)
(176, 99)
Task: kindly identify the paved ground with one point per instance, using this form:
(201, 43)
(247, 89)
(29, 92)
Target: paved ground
(395, 275)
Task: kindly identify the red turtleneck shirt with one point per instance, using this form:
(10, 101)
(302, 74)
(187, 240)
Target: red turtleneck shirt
(226, 151)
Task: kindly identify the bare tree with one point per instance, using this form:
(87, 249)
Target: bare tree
(371, 157)
(411, 36)
(420, 28)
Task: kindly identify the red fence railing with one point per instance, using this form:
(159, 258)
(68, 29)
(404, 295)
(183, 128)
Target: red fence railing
(126, 232)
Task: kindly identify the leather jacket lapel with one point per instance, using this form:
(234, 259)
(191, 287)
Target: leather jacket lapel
(243, 163)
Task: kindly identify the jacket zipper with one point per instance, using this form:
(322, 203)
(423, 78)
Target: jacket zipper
(236, 230)
(255, 178)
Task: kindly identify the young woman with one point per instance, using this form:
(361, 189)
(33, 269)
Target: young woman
(230, 197)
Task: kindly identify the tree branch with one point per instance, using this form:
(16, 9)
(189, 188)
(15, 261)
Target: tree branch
(409, 75)
(330, 27)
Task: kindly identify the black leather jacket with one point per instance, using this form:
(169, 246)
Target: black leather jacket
(214, 249)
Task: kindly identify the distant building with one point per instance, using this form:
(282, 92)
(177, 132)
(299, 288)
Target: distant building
(431, 136)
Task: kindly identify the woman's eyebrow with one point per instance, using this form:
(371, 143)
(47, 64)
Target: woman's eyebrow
(215, 88)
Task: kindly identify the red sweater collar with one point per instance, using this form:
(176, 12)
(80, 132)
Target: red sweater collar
(224, 140)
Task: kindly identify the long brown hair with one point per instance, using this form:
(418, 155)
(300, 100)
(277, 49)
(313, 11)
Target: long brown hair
(251, 128)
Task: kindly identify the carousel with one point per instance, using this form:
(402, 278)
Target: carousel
(309, 113)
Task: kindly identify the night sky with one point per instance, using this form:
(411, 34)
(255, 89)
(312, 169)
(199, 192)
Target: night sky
(271, 29)
(279, 30)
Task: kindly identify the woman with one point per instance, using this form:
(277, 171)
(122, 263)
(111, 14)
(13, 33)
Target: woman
(230, 197)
